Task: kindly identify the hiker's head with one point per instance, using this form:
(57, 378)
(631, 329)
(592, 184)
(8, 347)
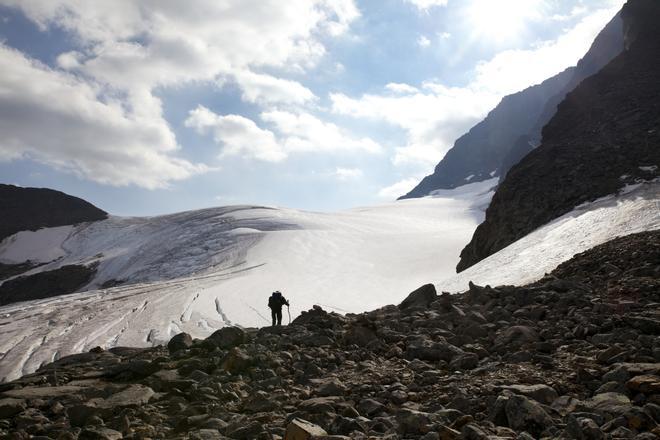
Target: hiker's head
(277, 293)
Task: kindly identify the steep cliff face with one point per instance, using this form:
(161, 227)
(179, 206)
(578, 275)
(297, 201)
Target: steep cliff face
(605, 134)
(513, 128)
(26, 209)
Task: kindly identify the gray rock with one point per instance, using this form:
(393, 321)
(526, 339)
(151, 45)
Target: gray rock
(236, 361)
(423, 348)
(228, 337)
(465, 361)
(607, 403)
(524, 414)
(370, 407)
(583, 429)
(100, 433)
(10, 407)
(413, 422)
(329, 387)
(541, 393)
(421, 297)
(473, 432)
(181, 341)
(300, 429)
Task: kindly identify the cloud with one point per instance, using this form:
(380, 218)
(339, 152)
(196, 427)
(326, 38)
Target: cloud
(424, 5)
(422, 41)
(61, 121)
(238, 136)
(101, 98)
(401, 88)
(432, 117)
(395, 190)
(266, 89)
(292, 133)
(302, 132)
(348, 173)
(435, 115)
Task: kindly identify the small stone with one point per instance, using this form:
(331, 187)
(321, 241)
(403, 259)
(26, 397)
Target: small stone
(100, 433)
(300, 429)
(541, 393)
(524, 414)
(647, 384)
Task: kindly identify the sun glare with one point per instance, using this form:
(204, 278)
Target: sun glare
(501, 20)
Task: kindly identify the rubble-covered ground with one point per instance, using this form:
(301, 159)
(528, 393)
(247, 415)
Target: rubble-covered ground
(575, 355)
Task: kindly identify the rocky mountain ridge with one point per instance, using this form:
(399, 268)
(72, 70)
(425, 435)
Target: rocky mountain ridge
(28, 209)
(513, 128)
(604, 136)
(575, 355)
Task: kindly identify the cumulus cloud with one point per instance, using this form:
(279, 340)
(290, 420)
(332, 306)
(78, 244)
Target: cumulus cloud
(59, 120)
(432, 117)
(422, 41)
(423, 5)
(292, 133)
(267, 89)
(128, 49)
(239, 136)
(302, 132)
(435, 115)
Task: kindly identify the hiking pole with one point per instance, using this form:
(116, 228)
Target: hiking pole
(289, 312)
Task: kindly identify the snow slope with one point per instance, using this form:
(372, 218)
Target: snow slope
(636, 209)
(198, 271)
(201, 270)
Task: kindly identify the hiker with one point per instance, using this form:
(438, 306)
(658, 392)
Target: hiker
(275, 302)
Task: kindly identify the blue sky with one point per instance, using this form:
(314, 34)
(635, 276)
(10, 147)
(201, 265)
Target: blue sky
(148, 107)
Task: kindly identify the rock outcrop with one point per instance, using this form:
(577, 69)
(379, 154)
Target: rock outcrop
(28, 209)
(513, 128)
(605, 134)
(561, 358)
(47, 284)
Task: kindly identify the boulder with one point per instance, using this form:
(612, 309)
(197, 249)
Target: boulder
(423, 348)
(421, 297)
(646, 383)
(10, 407)
(228, 337)
(614, 404)
(541, 393)
(360, 335)
(524, 414)
(179, 342)
(236, 361)
(300, 429)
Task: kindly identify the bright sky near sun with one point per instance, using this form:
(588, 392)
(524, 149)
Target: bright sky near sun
(156, 106)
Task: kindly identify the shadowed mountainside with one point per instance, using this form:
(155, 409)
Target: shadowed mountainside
(513, 128)
(29, 209)
(605, 134)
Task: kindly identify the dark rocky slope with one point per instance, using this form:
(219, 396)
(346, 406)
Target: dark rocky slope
(28, 209)
(513, 128)
(605, 134)
(575, 355)
(47, 284)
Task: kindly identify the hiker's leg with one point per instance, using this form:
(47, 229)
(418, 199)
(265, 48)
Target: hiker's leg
(274, 316)
(279, 317)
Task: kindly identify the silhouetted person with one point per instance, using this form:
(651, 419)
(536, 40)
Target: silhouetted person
(275, 302)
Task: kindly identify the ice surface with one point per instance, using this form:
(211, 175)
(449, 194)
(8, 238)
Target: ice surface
(201, 270)
(39, 246)
(198, 271)
(635, 209)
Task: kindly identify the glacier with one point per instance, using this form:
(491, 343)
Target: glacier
(198, 271)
